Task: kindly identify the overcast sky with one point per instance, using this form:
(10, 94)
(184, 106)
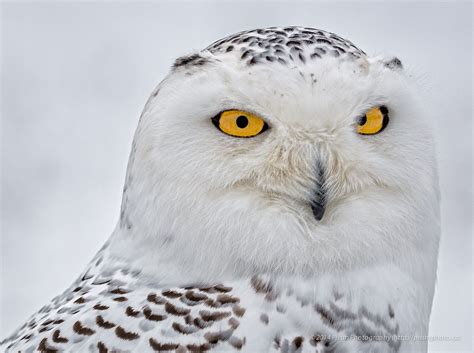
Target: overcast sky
(75, 77)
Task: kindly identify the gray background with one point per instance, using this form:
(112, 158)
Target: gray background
(75, 77)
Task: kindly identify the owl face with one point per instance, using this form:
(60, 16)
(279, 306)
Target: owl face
(292, 164)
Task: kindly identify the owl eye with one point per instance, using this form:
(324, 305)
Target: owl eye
(239, 123)
(373, 122)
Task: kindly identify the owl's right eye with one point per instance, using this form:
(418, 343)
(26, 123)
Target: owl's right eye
(239, 123)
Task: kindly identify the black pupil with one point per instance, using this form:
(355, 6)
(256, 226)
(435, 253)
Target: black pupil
(242, 121)
(362, 120)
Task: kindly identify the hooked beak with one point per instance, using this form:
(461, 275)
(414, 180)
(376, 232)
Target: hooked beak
(318, 210)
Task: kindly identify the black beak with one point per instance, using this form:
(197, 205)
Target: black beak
(318, 201)
(318, 210)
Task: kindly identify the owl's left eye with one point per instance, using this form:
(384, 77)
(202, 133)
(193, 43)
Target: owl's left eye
(239, 123)
(373, 122)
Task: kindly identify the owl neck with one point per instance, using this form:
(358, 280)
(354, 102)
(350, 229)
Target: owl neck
(152, 241)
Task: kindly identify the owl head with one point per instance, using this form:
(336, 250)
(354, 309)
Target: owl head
(281, 150)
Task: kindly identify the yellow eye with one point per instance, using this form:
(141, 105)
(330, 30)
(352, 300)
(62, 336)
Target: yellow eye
(239, 123)
(374, 121)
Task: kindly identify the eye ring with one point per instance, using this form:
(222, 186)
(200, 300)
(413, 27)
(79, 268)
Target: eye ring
(373, 122)
(239, 123)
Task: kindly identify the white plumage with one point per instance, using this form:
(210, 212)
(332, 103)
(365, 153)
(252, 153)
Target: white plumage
(219, 245)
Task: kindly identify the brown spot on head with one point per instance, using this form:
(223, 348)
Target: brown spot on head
(264, 318)
(126, 335)
(394, 63)
(190, 60)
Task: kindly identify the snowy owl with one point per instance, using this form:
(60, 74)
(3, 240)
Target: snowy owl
(281, 196)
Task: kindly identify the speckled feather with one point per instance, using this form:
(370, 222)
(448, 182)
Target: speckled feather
(285, 45)
(110, 308)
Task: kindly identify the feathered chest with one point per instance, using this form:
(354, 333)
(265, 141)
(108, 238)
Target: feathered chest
(110, 311)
